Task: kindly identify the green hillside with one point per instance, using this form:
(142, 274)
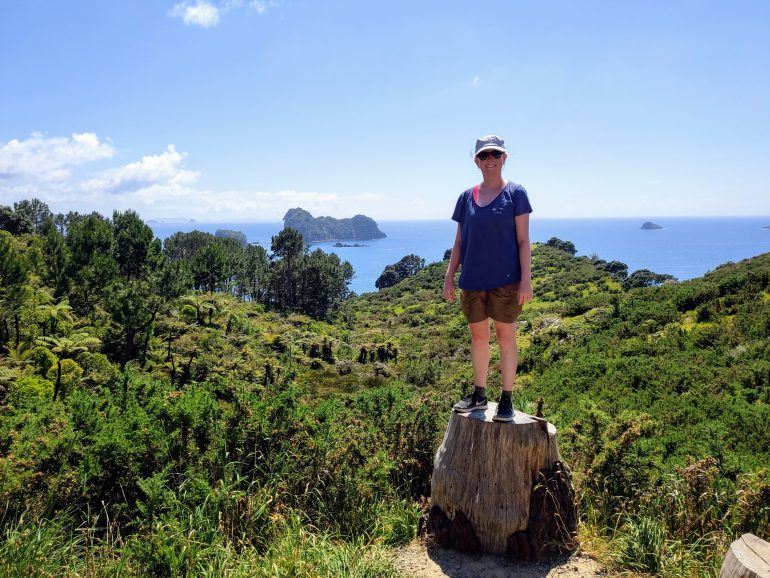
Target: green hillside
(175, 413)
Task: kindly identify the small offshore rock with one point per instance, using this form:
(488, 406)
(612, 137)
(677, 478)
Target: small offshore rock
(650, 226)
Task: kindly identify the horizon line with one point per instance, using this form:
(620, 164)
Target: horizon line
(179, 221)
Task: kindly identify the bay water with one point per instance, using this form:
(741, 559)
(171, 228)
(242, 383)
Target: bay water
(685, 247)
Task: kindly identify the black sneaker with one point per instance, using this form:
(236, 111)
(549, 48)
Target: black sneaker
(504, 410)
(470, 402)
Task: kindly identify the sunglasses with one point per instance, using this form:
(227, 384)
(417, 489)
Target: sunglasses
(484, 155)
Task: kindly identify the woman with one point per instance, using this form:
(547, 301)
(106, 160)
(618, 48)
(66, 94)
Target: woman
(492, 245)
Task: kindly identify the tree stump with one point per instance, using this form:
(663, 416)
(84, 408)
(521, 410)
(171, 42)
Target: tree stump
(748, 557)
(501, 488)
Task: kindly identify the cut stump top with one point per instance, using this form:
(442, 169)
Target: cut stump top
(519, 418)
(748, 557)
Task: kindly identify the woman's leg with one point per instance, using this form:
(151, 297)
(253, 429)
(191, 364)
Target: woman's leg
(509, 353)
(480, 351)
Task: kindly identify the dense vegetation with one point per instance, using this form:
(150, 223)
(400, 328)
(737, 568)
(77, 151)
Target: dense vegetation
(178, 411)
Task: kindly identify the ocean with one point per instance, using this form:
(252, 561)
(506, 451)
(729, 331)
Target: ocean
(685, 247)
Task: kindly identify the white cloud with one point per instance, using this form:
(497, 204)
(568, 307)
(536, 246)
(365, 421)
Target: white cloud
(259, 6)
(163, 169)
(476, 80)
(156, 186)
(207, 13)
(50, 159)
(171, 201)
(200, 13)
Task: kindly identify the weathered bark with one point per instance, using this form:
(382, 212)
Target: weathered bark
(186, 372)
(173, 371)
(58, 379)
(501, 488)
(147, 336)
(128, 346)
(748, 557)
(5, 336)
(125, 391)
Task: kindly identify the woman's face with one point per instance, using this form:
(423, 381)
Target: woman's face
(491, 165)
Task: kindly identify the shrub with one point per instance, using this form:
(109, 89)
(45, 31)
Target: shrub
(751, 512)
(693, 504)
(71, 374)
(29, 389)
(97, 368)
(624, 463)
(43, 360)
(345, 367)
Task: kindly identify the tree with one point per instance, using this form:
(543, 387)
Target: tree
(617, 269)
(137, 252)
(56, 256)
(397, 272)
(34, 211)
(252, 275)
(13, 275)
(324, 283)
(134, 305)
(72, 218)
(186, 245)
(209, 267)
(12, 222)
(288, 244)
(233, 253)
(92, 266)
(67, 348)
(387, 278)
(312, 283)
(409, 265)
(566, 246)
(646, 278)
(213, 261)
(54, 313)
(289, 247)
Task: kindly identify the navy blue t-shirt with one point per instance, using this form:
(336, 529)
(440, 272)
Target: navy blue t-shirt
(489, 252)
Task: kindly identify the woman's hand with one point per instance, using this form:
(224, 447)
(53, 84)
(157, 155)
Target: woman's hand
(449, 288)
(525, 291)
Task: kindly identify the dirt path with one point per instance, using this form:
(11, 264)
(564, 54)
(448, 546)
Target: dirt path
(435, 562)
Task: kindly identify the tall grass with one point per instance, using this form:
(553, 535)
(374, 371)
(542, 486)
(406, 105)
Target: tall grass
(682, 528)
(57, 547)
(640, 545)
(180, 548)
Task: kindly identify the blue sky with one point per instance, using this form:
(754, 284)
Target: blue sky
(239, 110)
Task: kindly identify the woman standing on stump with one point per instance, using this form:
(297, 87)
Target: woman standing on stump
(492, 245)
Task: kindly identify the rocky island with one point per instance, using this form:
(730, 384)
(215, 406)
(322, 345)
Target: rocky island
(319, 229)
(650, 226)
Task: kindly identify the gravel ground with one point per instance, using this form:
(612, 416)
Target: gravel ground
(420, 561)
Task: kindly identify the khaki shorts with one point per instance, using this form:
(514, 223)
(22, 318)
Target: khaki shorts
(501, 304)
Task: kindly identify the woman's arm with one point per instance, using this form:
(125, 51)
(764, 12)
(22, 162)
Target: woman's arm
(525, 258)
(454, 263)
